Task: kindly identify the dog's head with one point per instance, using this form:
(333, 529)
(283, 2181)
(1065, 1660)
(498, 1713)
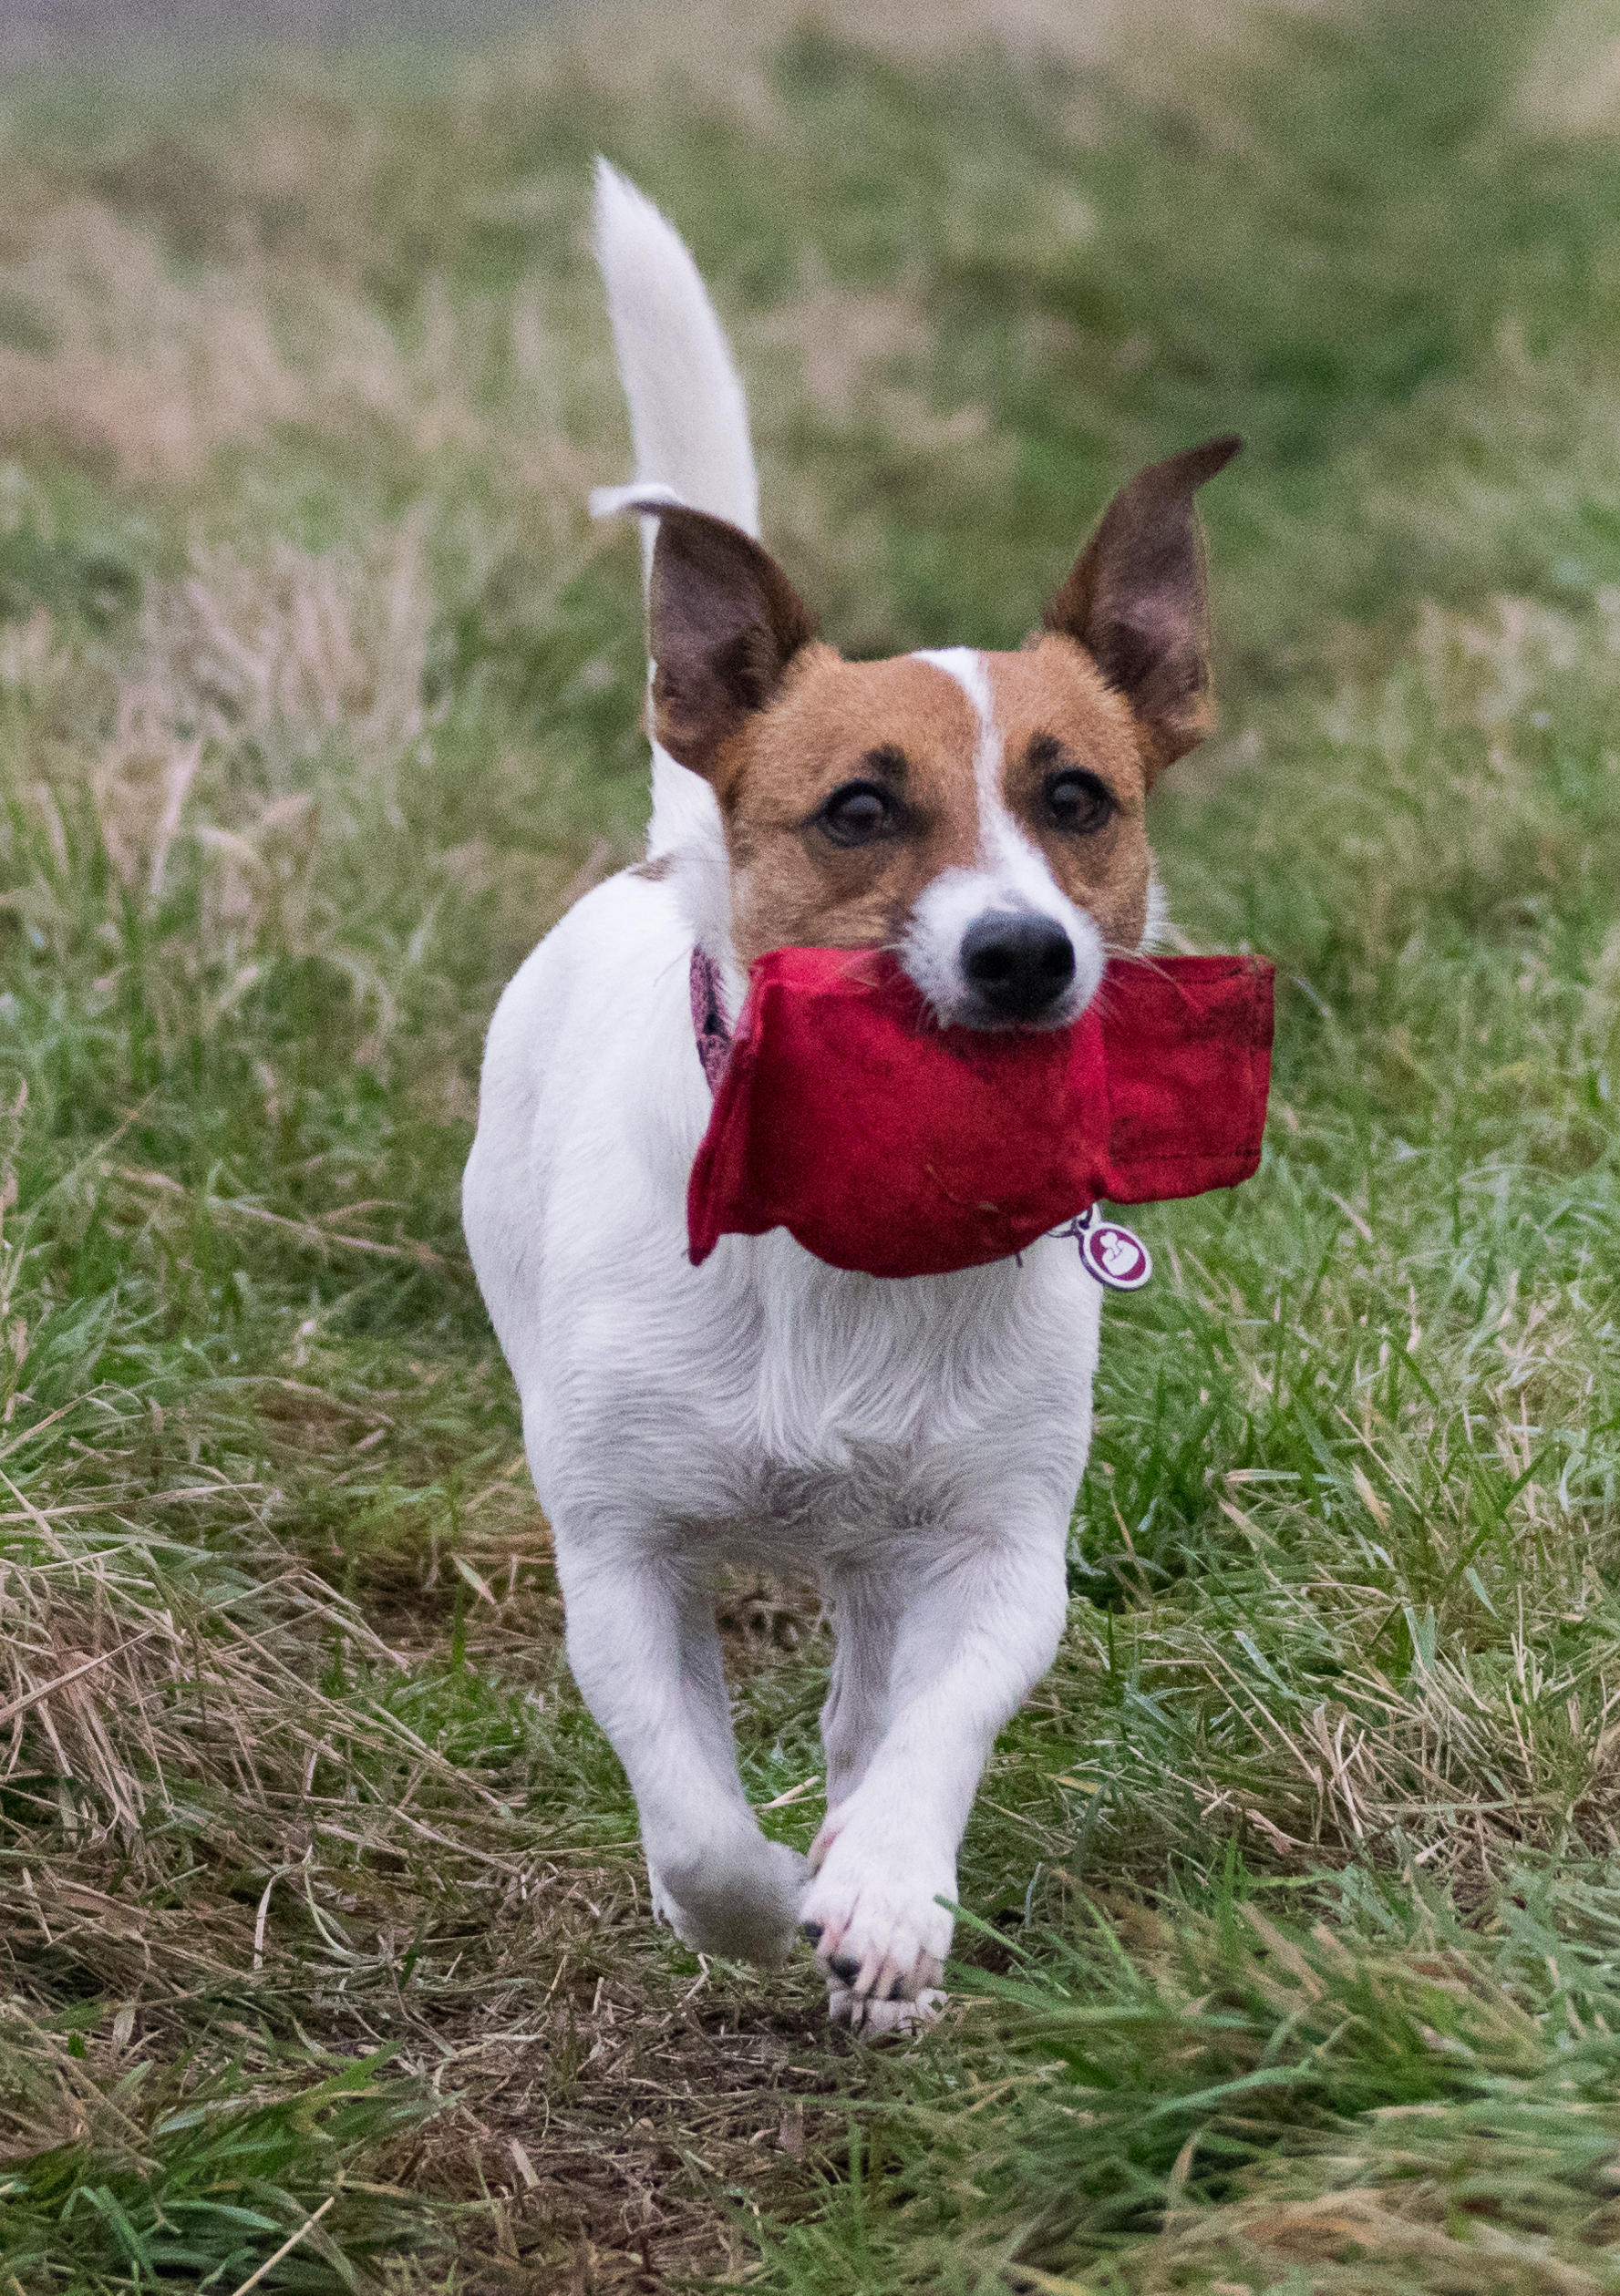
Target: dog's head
(981, 814)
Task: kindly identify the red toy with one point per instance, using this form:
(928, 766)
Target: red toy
(886, 1144)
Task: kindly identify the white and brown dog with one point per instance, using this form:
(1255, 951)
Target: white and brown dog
(912, 1445)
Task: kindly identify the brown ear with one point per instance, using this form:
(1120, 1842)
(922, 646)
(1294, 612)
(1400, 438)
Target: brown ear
(724, 622)
(1138, 603)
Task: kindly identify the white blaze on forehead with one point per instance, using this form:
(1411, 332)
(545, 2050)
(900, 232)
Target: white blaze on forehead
(1008, 871)
(965, 668)
(1014, 867)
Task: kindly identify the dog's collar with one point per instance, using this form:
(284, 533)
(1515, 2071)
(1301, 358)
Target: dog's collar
(710, 1027)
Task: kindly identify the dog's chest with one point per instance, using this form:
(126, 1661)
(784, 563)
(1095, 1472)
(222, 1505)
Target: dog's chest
(884, 1390)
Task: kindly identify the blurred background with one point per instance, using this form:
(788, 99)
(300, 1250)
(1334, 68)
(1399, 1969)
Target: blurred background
(1292, 1957)
(44, 27)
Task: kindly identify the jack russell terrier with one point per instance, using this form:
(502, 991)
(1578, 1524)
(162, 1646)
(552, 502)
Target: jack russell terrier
(912, 1445)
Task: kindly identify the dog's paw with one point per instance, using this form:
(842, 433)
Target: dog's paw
(879, 1935)
(739, 1900)
(884, 2020)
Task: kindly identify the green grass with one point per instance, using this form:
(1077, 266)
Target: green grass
(1292, 1908)
(1205, 2096)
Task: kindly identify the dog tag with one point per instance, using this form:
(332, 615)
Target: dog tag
(1113, 1254)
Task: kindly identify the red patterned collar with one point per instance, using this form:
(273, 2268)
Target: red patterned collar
(710, 1024)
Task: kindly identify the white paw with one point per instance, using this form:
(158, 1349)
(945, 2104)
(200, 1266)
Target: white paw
(879, 1935)
(739, 1898)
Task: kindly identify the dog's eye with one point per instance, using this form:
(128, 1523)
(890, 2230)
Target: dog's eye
(1079, 801)
(857, 814)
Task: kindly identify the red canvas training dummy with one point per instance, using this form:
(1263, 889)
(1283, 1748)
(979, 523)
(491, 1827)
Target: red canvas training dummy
(886, 1144)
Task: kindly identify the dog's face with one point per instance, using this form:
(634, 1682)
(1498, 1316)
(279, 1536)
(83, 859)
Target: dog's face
(981, 814)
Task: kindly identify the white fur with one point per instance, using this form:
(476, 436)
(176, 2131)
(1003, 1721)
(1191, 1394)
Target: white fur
(1158, 932)
(914, 1446)
(1009, 871)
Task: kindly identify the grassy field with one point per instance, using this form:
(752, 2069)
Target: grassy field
(1291, 1944)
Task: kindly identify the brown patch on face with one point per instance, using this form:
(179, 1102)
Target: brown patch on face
(902, 727)
(1059, 719)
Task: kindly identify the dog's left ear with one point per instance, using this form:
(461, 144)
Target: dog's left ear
(1139, 604)
(723, 624)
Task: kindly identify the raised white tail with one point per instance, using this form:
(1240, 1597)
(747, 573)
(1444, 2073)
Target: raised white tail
(688, 417)
(689, 420)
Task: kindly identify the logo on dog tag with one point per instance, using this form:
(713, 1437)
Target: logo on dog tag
(1115, 1257)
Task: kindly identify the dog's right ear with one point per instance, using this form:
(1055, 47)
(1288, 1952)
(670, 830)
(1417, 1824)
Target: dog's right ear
(724, 623)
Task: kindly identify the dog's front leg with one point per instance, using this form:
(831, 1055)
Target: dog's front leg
(645, 1652)
(972, 1638)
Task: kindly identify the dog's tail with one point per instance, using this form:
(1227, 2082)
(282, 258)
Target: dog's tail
(688, 418)
(689, 423)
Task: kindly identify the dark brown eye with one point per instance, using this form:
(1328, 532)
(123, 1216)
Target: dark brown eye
(858, 814)
(1079, 801)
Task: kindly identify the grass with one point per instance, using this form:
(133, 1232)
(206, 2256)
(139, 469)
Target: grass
(1291, 1908)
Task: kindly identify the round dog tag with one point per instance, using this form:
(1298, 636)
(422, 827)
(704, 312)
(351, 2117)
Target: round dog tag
(1114, 1256)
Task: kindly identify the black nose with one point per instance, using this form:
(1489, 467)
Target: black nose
(1018, 964)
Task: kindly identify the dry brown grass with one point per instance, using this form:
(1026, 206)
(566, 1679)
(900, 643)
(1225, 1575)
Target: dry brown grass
(208, 1824)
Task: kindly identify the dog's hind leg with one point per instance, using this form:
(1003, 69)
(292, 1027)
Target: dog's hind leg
(645, 1653)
